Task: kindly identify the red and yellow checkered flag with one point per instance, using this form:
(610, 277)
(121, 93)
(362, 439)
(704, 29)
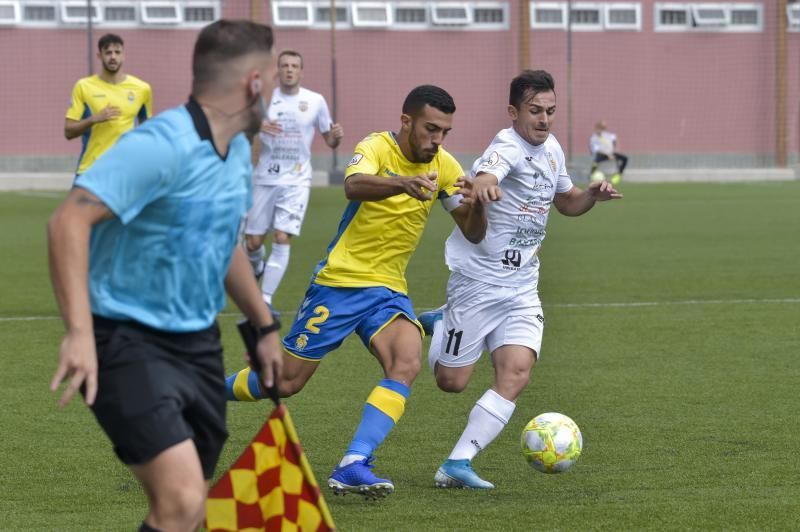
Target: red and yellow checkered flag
(270, 487)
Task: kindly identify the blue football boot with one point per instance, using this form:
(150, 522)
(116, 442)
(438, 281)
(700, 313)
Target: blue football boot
(459, 474)
(428, 319)
(359, 478)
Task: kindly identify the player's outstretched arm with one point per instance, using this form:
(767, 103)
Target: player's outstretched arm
(68, 232)
(471, 215)
(364, 187)
(241, 286)
(485, 188)
(577, 201)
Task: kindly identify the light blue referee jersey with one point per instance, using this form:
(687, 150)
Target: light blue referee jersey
(178, 204)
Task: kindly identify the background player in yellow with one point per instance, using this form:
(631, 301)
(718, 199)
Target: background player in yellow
(106, 105)
(360, 285)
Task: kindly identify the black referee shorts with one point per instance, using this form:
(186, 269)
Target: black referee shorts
(157, 389)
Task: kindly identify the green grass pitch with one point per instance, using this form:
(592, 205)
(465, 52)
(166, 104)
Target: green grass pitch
(672, 339)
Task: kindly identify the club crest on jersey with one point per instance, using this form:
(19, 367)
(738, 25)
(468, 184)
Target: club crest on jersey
(355, 160)
(131, 96)
(303, 106)
(552, 161)
(301, 342)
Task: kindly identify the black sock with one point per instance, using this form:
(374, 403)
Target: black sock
(147, 528)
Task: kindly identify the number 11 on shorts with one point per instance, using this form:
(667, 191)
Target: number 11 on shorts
(452, 333)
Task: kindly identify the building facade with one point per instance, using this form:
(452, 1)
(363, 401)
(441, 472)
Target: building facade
(683, 84)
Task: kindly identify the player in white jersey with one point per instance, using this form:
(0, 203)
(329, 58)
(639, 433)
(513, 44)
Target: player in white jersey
(282, 175)
(603, 147)
(492, 295)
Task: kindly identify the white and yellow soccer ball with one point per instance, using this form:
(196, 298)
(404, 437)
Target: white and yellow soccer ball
(551, 442)
(597, 175)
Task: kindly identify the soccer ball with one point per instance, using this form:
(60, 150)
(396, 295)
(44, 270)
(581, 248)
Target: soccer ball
(597, 175)
(551, 442)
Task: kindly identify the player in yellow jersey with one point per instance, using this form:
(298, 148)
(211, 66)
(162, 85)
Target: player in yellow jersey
(106, 105)
(360, 286)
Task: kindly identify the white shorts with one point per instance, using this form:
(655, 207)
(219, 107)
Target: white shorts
(277, 208)
(479, 316)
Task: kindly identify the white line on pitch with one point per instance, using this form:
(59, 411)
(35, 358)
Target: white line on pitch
(632, 304)
(673, 303)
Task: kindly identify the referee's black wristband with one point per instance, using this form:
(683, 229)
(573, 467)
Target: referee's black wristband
(269, 329)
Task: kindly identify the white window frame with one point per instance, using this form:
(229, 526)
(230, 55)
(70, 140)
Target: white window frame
(66, 18)
(436, 21)
(121, 23)
(398, 25)
(746, 28)
(587, 6)
(628, 6)
(16, 9)
(698, 24)
(710, 23)
(548, 6)
(670, 6)
(39, 23)
(160, 21)
(214, 5)
(793, 17)
(503, 6)
(276, 5)
(358, 23)
(326, 24)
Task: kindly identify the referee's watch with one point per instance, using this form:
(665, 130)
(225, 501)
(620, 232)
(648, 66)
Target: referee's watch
(269, 329)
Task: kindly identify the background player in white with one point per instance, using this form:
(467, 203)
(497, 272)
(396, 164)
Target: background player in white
(492, 296)
(603, 146)
(282, 175)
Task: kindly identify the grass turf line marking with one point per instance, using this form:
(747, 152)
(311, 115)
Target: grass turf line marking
(789, 300)
(676, 303)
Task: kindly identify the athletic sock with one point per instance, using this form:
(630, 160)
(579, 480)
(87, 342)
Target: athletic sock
(384, 407)
(243, 386)
(487, 419)
(274, 269)
(435, 349)
(256, 258)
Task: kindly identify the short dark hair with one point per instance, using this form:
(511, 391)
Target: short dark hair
(530, 80)
(223, 41)
(431, 95)
(109, 39)
(293, 53)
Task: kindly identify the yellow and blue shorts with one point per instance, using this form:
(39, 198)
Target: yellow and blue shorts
(328, 315)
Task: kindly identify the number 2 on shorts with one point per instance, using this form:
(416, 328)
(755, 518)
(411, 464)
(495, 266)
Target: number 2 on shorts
(320, 316)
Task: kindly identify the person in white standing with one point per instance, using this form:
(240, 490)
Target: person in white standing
(492, 295)
(282, 175)
(603, 146)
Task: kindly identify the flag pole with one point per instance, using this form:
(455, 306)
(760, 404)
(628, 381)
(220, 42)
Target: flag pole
(336, 176)
(89, 38)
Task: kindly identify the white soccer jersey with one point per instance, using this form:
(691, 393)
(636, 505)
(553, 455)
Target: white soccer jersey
(603, 142)
(286, 158)
(529, 177)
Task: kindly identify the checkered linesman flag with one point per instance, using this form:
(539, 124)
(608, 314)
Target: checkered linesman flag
(271, 485)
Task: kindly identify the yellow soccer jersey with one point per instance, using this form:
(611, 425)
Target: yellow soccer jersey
(375, 239)
(91, 95)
